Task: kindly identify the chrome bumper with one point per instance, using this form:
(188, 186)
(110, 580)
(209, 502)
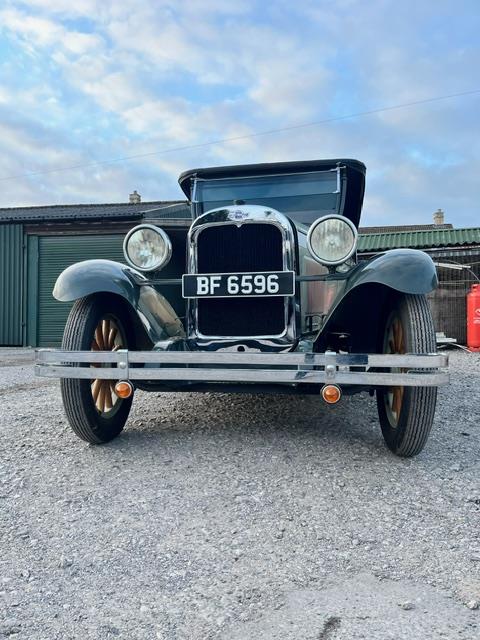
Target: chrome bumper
(225, 367)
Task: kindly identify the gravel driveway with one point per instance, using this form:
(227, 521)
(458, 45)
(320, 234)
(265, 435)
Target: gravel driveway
(217, 516)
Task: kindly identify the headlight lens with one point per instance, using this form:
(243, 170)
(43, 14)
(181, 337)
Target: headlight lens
(332, 239)
(147, 248)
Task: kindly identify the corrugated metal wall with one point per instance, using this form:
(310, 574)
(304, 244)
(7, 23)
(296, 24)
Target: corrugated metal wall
(11, 284)
(56, 253)
(449, 301)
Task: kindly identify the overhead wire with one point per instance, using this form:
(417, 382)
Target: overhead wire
(246, 136)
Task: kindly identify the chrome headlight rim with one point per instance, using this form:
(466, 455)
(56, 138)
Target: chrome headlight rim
(332, 216)
(162, 234)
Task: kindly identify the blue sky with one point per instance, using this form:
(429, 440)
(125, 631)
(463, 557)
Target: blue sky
(93, 80)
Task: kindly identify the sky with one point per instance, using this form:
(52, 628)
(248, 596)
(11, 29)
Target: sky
(90, 81)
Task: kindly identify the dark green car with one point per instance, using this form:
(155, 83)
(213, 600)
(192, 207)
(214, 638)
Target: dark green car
(263, 293)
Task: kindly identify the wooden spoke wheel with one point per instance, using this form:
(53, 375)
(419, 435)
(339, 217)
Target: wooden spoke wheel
(395, 343)
(406, 413)
(96, 323)
(109, 336)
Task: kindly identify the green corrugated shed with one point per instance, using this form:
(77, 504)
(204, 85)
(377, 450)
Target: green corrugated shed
(32, 257)
(11, 284)
(418, 239)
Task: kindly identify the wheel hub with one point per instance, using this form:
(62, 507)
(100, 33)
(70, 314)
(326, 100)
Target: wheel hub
(108, 336)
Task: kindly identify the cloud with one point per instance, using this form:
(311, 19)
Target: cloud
(33, 30)
(92, 80)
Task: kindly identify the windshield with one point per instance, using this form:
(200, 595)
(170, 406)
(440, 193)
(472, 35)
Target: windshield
(302, 196)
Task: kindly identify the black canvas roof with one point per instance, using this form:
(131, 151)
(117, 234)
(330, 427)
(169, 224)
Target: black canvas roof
(355, 177)
(110, 211)
(266, 167)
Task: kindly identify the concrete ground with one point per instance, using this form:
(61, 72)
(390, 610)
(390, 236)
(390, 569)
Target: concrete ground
(237, 517)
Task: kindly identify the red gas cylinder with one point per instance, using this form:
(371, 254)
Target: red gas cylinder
(473, 318)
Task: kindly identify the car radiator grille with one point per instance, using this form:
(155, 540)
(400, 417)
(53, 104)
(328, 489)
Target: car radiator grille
(236, 249)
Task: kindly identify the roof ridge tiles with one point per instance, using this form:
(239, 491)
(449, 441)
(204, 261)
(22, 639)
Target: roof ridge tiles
(93, 205)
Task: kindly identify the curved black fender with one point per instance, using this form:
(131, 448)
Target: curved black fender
(106, 276)
(403, 270)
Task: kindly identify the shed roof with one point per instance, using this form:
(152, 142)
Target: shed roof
(111, 211)
(405, 227)
(433, 238)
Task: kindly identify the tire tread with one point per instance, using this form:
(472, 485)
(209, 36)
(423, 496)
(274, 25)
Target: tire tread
(409, 439)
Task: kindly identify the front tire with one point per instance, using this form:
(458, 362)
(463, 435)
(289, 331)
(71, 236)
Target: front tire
(406, 413)
(94, 412)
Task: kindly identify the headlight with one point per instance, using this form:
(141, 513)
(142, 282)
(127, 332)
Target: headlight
(332, 239)
(147, 248)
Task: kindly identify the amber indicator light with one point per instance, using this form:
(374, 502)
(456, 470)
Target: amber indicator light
(331, 393)
(123, 389)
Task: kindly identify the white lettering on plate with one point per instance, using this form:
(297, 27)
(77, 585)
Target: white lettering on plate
(202, 285)
(214, 283)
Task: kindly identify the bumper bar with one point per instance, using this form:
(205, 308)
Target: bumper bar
(225, 367)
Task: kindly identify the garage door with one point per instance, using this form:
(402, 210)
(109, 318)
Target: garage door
(55, 253)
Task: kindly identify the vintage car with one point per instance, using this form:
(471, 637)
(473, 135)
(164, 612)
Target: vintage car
(263, 293)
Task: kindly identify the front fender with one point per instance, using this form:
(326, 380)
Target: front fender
(106, 276)
(405, 270)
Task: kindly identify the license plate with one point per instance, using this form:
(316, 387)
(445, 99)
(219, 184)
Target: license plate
(235, 285)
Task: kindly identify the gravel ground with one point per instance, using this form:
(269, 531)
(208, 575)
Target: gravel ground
(237, 517)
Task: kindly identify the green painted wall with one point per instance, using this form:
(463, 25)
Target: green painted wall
(11, 284)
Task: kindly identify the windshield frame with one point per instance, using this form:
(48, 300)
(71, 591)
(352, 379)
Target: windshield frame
(198, 208)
